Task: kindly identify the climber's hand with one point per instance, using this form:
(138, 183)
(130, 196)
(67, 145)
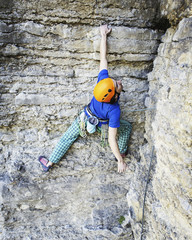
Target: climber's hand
(104, 30)
(121, 166)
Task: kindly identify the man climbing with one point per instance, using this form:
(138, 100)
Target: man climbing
(103, 110)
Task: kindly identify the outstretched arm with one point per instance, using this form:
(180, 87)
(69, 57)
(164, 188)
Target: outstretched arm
(104, 30)
(115, 149)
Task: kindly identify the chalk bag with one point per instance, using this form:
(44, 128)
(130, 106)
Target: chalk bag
(91, 124)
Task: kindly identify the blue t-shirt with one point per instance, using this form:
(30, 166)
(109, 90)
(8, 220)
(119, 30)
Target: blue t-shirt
(103, 110)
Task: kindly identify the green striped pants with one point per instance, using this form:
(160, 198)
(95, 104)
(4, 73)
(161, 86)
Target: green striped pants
(72, 134)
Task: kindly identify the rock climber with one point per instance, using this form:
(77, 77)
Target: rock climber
(103, 110)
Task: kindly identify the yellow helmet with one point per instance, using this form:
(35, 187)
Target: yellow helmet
(104, 90)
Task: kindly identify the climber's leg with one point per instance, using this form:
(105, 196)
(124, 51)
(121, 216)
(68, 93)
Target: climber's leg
(124, 132)
(65, 142)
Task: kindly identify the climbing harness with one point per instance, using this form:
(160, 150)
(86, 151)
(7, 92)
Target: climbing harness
(88, 110)
(89, 123)
(103, 130)
(152, 152)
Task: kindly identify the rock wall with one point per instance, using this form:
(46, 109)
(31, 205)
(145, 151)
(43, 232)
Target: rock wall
(172, 132)
(168, 128)
(49, 65)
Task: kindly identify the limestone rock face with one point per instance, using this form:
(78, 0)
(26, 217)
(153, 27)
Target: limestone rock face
(172, 128)
(175, 11)
(49, 65)
(168, 129)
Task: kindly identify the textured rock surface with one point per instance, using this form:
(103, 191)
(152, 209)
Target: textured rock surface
(172, 128)
(49, 65)
(168, 129)
(175, 11)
